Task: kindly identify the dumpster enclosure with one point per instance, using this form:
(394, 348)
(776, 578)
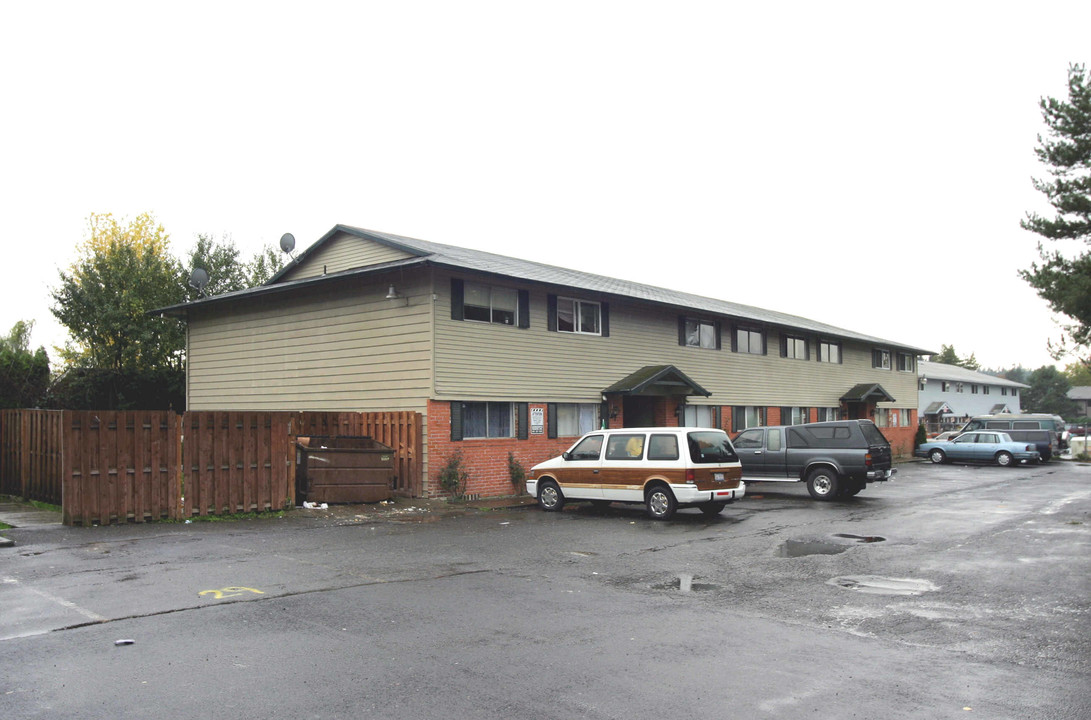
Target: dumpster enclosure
(344, 469)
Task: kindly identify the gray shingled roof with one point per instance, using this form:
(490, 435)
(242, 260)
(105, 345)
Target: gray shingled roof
(954, 373)
(1080, 392)
(460, 258)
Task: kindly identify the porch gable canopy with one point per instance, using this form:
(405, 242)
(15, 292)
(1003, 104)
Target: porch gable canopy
(867, 392)
(657, 380)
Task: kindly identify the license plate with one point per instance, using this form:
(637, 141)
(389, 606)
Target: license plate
(717, 477)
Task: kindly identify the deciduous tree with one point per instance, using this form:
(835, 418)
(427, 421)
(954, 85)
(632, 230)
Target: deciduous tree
(1048, 392)
(24, 374)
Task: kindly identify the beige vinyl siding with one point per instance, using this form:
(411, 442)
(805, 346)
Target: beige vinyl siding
(340, 348)
(344, 252)
(484, 361)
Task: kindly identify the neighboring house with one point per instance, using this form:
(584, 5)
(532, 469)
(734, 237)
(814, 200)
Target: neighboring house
(504, 355)
(950, 395)
(1081, 395)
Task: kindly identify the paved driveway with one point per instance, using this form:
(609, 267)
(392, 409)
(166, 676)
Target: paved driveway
(955, 591)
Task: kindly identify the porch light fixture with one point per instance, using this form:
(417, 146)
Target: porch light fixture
(393, 294)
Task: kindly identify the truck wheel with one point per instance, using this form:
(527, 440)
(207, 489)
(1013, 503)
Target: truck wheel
(549, 496)
(1004, 459)
(660, 503)
(822, 484)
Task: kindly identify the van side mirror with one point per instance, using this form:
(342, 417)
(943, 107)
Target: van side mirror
(566, 455)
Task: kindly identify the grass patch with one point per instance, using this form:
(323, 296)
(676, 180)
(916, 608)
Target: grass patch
(5, 526)
(233, 517)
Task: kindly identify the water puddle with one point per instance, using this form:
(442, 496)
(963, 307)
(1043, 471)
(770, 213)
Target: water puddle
(802, 548)
(876, 585)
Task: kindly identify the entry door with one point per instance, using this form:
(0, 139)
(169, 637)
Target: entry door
(639, 411)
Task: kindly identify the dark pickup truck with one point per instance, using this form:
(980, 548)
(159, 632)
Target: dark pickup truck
(835, 459)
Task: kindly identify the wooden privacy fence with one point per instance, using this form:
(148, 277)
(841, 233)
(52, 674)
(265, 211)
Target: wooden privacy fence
(105, 467)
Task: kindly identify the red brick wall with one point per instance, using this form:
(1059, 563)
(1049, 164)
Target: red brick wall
(485, 459)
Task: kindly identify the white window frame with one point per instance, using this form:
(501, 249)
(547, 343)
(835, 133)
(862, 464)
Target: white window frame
(826, 351)
(577, 307)
(470, 288)
(704, 332)
(884, 359)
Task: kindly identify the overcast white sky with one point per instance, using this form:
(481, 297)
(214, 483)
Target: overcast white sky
(862, 164)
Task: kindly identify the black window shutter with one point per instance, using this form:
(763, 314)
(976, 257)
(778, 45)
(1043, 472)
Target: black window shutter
(523, 412)
(735, 338)
(715, 416)
(551, 421)
(738, 414)
(783, 345)
(681, 329)
(457, 295)
(456, 421)
(718, 342)
(764, 342)
(786, 416)
(551, 313)
(605, 319)
(524, 309)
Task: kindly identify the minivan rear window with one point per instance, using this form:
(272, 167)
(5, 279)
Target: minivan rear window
(710, 447)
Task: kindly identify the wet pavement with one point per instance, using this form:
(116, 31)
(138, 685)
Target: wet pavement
(954, 591)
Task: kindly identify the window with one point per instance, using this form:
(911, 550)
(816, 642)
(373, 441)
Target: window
(576, 419)
(793, 347)
(774, 439)
(904, 417)
(945, 386)
(743, 417)
(625, 447)
(829, 352)
(880, 359)
(749, 340)
(794, 415)
(973, 389)
(663, 447)
(579, 316)
(984, 389)
(1003, 391)
(588, 449)
(698, 416)
(699, 333)
(829, 414)
(922, 384)
(906, 362)
(1014, 391)
(487, 420)
(882, 417)
(484, 303)
(958, 387)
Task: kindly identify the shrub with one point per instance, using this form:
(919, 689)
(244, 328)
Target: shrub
(453, 476)
(517, 472)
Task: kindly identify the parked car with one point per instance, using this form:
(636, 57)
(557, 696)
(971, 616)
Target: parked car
(663, 468)
(1043, 441)
(1025, 421)
(987, 447)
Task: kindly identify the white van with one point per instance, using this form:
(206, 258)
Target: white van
(663, 468)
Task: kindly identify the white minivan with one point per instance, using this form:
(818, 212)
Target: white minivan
(663, 468)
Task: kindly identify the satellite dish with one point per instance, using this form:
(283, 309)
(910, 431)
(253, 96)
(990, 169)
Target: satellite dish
(198, 279)
(287, 243)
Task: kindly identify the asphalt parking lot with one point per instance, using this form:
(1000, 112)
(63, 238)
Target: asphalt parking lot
(954, 591)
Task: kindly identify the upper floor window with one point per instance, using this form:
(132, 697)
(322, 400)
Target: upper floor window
(906, 362)
(922, 384)
(1014, 392)
(583, 317)
(579, 316)
(958, 387)
(793, 347)
(984, 389)
(945, 386)
(973, 389)
(479, 302)
(1003, 391)
(698, 333)
(880, 359)
(829, 352)
(749, 340)
(486, 303)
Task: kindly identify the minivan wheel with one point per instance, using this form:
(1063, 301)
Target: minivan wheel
(1004, 459)
(712, 508)
(549, 496)
(822, 484)
(660, 503)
